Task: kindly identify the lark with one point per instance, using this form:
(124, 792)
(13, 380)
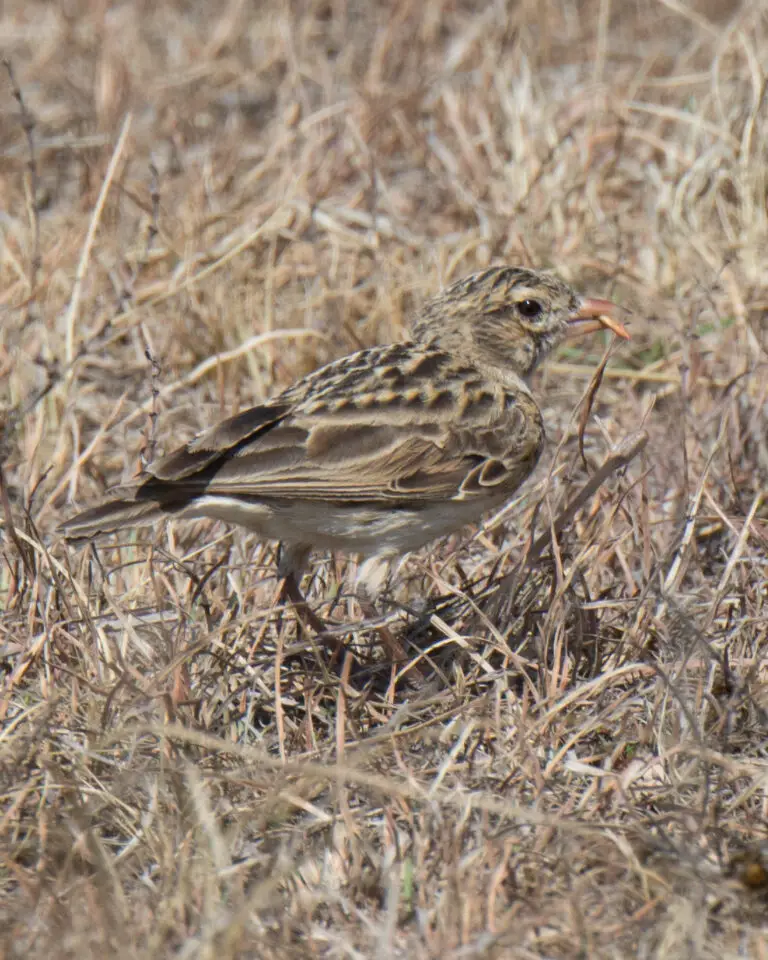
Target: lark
(383, 450)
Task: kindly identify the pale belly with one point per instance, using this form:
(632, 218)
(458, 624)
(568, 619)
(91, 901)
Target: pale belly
(360, 529)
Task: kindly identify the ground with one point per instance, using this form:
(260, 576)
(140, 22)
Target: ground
(200, 203)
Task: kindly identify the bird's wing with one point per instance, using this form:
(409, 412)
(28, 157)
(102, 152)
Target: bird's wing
(403, 424)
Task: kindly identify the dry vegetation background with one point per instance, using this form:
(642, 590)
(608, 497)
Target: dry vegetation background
(201, 202)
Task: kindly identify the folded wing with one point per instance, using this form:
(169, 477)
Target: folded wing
(403, 425)
(397, 424)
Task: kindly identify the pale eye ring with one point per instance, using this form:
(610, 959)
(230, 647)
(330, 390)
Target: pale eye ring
(530, 309)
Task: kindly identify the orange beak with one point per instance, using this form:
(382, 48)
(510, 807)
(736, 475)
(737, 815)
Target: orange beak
(596, 315)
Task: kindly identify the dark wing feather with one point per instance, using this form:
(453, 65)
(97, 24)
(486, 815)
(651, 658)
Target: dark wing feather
(223, 440)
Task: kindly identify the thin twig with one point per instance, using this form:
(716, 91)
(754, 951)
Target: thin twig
(28, 126)
(10, 529)
(148, 451)
(589, 399)
(85, 256)
(621, 458)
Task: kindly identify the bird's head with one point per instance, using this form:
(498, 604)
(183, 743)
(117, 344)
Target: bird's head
(509, 318)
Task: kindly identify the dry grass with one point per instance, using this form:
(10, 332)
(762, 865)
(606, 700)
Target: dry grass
(216, 199)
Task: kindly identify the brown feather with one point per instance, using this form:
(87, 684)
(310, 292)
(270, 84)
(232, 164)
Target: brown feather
(382, 449)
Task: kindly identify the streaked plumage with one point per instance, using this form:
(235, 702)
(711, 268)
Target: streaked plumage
(385, 449)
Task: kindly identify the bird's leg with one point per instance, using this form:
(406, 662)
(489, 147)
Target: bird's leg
(290, 564)
(371, 578)
(304, 613)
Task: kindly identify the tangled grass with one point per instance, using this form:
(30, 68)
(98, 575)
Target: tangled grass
(200, 204)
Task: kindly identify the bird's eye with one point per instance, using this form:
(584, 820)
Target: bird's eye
(529, 308)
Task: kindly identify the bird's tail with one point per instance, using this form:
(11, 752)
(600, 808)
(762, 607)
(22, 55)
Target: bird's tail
(131, 507)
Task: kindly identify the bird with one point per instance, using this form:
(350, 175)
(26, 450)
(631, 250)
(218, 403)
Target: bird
(386, 449)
